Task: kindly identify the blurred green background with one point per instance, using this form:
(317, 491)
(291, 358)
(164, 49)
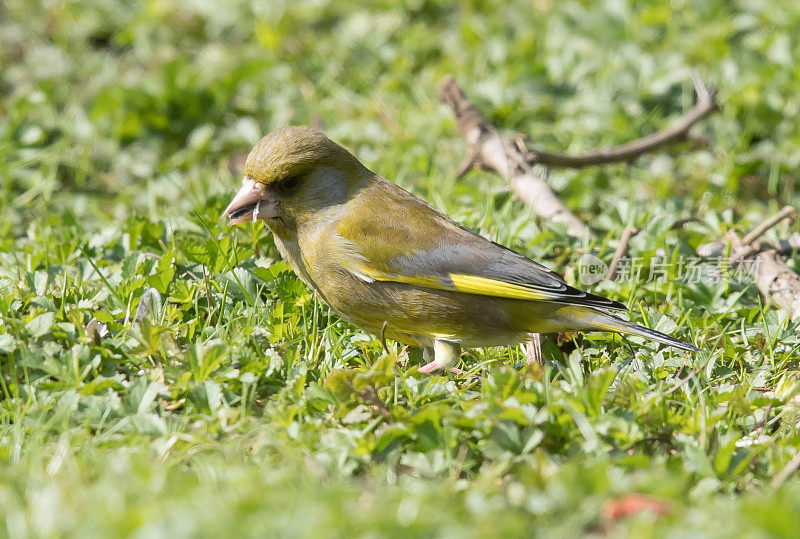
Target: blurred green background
(241, 404)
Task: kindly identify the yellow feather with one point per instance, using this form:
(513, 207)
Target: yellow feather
(468, 284)
(484, 286)
(425, 281)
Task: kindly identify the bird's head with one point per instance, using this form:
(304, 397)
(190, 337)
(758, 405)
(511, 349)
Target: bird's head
(291, 174)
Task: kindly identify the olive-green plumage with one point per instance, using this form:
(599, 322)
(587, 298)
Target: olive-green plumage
(379, 255)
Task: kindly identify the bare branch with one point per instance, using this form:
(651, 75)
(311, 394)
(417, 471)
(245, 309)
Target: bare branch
(786, 212)
(510, 158)
(487, 149)
(775, 280)
(470, 161)
(749, 245)
(705, 105)
(790, 468)
(783, 247)
(624, 242)
(370, 395)
(532, 189)
(680, 382)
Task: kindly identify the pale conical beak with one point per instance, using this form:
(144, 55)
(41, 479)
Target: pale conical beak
(251, 203)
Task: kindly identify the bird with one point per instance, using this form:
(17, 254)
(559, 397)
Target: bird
(395, 266)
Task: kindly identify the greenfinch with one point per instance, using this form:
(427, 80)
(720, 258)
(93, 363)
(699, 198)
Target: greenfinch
(393, 265)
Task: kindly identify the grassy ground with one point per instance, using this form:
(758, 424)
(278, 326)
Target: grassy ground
(241, 403)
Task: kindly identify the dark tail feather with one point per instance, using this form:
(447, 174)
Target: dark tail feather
(613, 323)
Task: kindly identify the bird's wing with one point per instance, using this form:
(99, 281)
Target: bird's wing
(408, 241)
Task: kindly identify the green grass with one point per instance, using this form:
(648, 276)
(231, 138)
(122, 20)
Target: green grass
(240, 403)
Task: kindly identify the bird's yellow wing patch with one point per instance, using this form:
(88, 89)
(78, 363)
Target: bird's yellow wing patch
(459, 282)
(485, 286)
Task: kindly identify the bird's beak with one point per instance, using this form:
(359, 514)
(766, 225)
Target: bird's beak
(251, 203)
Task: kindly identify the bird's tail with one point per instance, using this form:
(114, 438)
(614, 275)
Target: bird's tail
(601, 320)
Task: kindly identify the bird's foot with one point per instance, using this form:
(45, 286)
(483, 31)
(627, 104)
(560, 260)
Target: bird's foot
(430, 367)
(433, 366)
(445, 355)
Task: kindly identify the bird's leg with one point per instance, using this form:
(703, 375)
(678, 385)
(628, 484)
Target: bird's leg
(445, 355)
(533, 350)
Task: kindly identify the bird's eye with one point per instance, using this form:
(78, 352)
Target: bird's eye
(289, 185)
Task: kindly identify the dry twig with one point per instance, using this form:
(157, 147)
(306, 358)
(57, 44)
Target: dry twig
(370, 396)
(787, 470)
(775, 280)
(783, 247)
(748, 247)
(621, 251)
(706, 104)
(510, 158)
(507, 157)
(680, 383)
